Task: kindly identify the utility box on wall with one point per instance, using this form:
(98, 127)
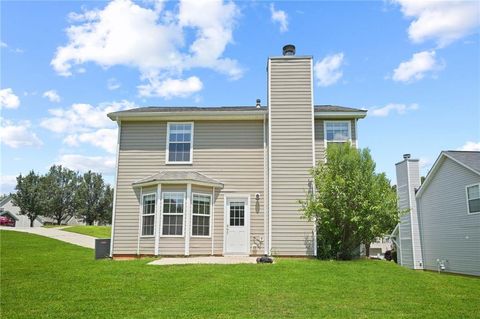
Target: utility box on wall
(102, 248)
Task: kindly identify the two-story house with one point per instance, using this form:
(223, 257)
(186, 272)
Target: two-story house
(225, 180)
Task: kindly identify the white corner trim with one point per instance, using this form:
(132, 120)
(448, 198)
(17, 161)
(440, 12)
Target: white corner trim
(313, 155)
(269, 106)
(167, 147)
(115, 183)
(265, 188)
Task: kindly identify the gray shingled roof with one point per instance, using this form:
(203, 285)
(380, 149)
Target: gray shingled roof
(181, 177)
(159, 109)
(467, 158)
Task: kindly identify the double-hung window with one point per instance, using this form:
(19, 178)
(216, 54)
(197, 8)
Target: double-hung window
(179, 143)
(337, 131)
(148, 214)
(201, 215)
(473, 198)
(173, 210)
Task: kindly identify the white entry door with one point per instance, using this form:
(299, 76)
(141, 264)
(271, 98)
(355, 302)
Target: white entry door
(237, 215)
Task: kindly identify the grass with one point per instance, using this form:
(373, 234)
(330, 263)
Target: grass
(46, 278)
(95, 231)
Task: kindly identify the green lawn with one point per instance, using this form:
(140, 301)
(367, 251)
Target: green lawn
(45, 278)
(95, 231)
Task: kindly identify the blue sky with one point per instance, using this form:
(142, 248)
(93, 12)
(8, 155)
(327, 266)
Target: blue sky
(65, 64)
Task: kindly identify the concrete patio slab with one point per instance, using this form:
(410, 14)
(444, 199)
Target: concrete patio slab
(57, 233)
(226, 260)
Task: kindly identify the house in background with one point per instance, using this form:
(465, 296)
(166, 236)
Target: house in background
(442, 229)
(225, 180)
(11, 211)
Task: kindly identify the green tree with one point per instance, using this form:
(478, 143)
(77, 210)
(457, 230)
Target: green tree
(105, 216)
(351, 203)
(29, 196)
(62, 184)
(93, 198)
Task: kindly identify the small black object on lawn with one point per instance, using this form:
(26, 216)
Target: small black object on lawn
(264, 260)
(102, 248)
(388, 255)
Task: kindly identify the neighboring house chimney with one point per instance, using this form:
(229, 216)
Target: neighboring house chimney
(408, 180)
(291, 152)
(258, 105)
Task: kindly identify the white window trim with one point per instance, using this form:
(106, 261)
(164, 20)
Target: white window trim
(168, 145)
(143, 215)
(466, 195)
(163, 213)
(325, 132)
(210, 215)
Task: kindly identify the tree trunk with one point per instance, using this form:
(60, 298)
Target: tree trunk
(59, 221)
(31, 221)
(367, 250)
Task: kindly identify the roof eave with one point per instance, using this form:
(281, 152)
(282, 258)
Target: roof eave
(180, 181)
(337, 115)
(195, 115)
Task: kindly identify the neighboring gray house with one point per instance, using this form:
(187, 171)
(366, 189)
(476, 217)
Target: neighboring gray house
(442, 230)
(8, 209)
(225, 180)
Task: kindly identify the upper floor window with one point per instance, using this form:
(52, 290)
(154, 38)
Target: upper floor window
(337, 131)
(473, 198)
(179, 143)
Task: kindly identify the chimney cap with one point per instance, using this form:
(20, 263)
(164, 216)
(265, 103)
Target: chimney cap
(406, 156)
(258, 104)
(289, 49)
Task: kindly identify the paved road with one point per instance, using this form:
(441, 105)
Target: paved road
(57, 233)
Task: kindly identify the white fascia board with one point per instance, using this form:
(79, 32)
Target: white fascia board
(340, 115)
(206, 115)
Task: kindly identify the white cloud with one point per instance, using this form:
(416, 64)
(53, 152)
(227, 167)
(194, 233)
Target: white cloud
(88, 124)
(327, 71)
(18, 134)
(171, 87)
(52, 95)
(113, 84)
(8, 99)
(416, 68)
(152, 40)
(7, 183)
(425, 162)
(103, 138)
(280, 17)
(393, 107)
(82, 163)
(83, 117)
(3, 44)
(470, 146)
(440, 20)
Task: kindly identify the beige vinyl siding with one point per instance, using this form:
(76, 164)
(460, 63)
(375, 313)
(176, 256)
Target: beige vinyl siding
(230, 151)
(320, 137)
(448, 231)
(291, 153)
